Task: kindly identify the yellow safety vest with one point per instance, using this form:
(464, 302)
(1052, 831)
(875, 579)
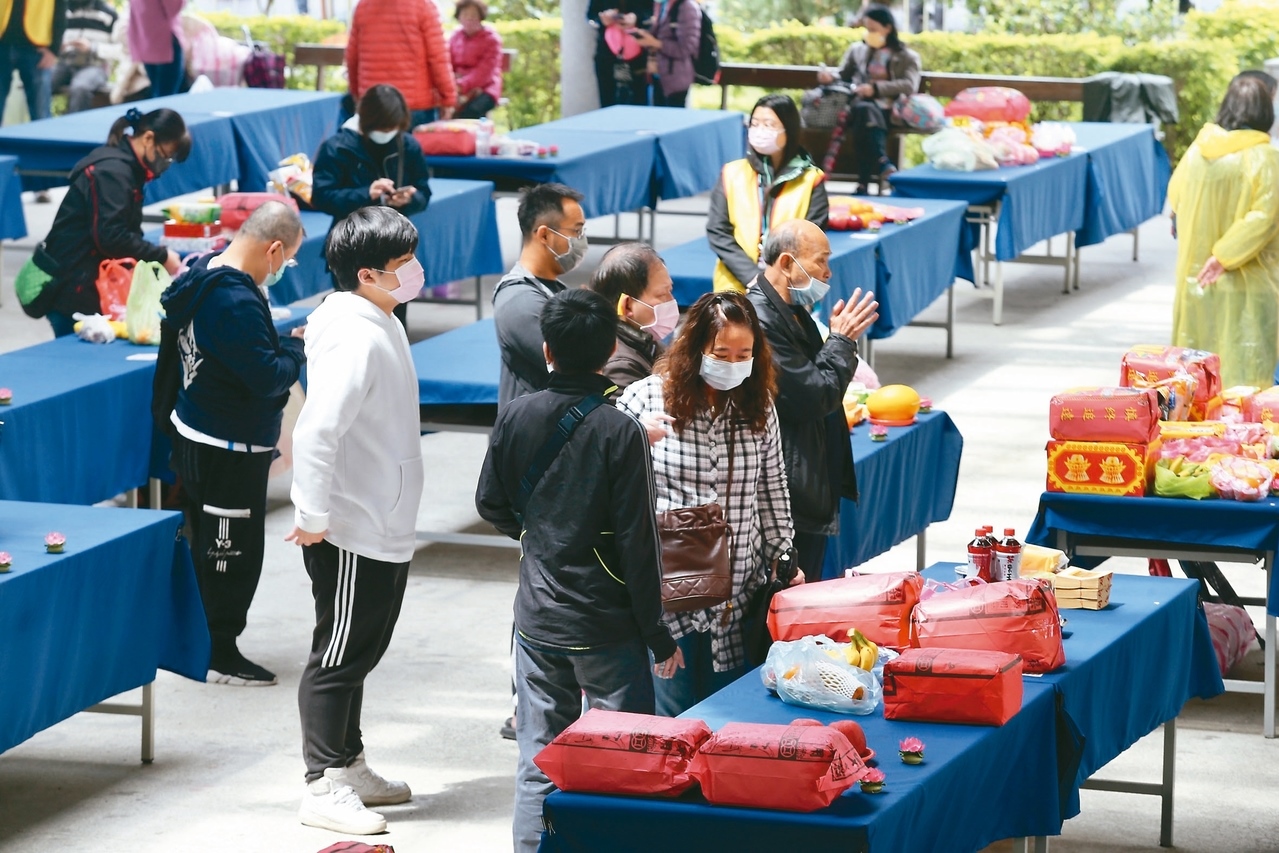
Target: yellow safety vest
(37, 20)
(742, 194)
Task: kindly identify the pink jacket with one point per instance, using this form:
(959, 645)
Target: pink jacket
(477, 61)
(153, 24)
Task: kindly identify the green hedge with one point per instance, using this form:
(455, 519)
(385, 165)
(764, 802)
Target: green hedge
(533, 83)
(281, 32)
(1252, 30)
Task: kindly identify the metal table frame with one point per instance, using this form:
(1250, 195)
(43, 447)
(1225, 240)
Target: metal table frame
(145, 709)
(1106, 546)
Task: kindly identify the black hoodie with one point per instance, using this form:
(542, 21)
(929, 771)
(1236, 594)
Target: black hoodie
(100, 218)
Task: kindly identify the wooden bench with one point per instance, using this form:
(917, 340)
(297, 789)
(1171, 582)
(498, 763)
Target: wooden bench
(939, 85)
(324, 56)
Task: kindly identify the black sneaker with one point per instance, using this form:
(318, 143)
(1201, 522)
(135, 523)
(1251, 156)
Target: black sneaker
(508, 728)
(230, 667)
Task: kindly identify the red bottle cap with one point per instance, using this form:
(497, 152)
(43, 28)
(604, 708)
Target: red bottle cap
(1008, 531)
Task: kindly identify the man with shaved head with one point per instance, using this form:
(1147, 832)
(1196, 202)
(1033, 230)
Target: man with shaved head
(812, 376)
(236, 376)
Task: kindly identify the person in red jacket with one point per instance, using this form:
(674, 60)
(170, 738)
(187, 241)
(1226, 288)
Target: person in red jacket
(476, 51)
(401, 43)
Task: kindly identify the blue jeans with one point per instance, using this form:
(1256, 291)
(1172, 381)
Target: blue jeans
(696, 681)
(167, 78)
(62, 324)
(549, 688)
(22, 58)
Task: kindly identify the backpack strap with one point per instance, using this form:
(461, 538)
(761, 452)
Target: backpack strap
(554, 444)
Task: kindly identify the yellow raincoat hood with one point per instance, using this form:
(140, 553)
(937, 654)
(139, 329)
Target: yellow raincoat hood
(1215, 142)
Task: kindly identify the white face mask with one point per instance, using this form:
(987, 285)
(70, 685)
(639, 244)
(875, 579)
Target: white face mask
(764, 140)
(665, 318)
(725, 375)
(812, 293)
(569, 259)
(381, 137)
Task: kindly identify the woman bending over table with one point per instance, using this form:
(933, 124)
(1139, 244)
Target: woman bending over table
(1224, 196)
(100, 217)
(716, 384)
(881, 68)
(370, 161)
(776, 181)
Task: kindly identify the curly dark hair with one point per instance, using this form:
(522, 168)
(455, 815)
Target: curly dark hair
(686, 394)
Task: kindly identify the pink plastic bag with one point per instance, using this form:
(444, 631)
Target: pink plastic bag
(990, 103)
(1232, 633)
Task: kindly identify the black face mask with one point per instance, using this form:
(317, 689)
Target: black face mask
(160, 164)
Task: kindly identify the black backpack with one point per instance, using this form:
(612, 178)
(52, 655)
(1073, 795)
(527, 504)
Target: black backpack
(706, 64)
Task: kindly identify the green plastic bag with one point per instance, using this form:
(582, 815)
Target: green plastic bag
(1177, 478)
(143, 312)
(33, 290)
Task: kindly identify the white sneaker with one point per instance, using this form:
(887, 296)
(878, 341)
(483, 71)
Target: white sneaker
(330, 805)
(371, 788)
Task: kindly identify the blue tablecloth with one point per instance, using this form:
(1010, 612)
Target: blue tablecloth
(614, 171)
(13, 222)
(906, 483)
(458, 239)
(57, 144)
(97, 620)
(269, 124)
(977, 785)
(1038, 201)
(852, 265)
(692, 145)
(1162, 522)
(1128, 174)
(459, 367)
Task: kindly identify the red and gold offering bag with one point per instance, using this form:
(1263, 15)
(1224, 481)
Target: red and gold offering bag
(878, 605)
(1128, 415)
(953, 686)
(790, 768)
(610, 752)
(1147, 365)
(1017, 617)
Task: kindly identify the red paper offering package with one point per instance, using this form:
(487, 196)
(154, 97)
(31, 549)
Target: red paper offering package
(791, 768)
(1127, 415)
(878, 605)
(1147, 364)
(610, 752)
(1262, 406)
(1017, 617)
(953, 686)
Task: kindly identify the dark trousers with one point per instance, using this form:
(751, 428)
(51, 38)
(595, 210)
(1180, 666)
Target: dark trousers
(867, 131)
(225, 504)
(674, 99)
(22, 58)
(810, 550)
(696, 681)
(166, 78)
(478, 107)
(357, 602)
(63, 324)
(551, 685)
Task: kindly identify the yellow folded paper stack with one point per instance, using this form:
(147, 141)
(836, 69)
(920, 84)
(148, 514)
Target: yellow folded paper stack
(1081, 589)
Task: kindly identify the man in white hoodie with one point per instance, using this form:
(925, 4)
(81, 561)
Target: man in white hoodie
(357, 482)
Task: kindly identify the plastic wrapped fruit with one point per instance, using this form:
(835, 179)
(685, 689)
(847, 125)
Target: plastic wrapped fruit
(1240, 479)
(893, 405)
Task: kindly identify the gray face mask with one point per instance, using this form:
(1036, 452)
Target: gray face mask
(569, 260)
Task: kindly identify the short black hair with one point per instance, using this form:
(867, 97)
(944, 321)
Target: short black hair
(580, 330)
(1249, 104)
(370, 238)
(624, 269)
(542, 204)
(383, 108)
(783, 106)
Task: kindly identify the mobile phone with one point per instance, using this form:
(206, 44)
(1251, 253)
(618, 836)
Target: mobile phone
(401, 190)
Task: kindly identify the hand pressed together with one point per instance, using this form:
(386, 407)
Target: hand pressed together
(852, 318)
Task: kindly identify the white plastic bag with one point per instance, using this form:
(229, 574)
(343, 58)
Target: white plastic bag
(143, 311)
(955, 151)
(94, 328)
(813, 672)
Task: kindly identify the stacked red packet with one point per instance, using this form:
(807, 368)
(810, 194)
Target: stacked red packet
(1015, 617)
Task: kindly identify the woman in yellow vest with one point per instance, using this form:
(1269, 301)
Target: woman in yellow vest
(30, 40)
(776, 181)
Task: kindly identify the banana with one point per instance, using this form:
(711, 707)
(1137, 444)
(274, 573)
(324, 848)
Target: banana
(868, 658)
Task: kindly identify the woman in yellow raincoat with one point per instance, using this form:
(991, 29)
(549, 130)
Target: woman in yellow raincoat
(1224, 196)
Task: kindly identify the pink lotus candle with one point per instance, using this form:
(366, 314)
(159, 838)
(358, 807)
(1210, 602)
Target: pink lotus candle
(873, 781)
(6, 396)
(878, 432)
(925, 404)
(6, 561)
(911, 750)
(54, 542)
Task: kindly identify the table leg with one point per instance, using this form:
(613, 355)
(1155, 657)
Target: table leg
(866, 349)
(157, 493)
(999, 292)
(1268, 702)
(921, 545)
(1169, 781)
(617, 227)
(950, 322)
(1135, 236)
(134, 498)
(479, 297)
(1065, 287)
(148, 722)
(1074, 246)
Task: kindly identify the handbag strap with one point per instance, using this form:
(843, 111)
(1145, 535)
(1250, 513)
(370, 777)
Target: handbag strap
(550, 449)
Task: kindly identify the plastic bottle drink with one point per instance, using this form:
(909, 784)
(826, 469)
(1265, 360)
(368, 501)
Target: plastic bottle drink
(484, 138)
(980, 557)
(1007, 557)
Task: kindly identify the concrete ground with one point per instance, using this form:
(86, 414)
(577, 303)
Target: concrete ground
(228, 771)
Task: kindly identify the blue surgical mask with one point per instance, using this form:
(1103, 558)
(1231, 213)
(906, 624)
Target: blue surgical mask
(812, 293)
(273, 276)
(725, 375)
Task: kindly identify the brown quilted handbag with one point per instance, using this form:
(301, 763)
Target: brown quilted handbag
(696, 565)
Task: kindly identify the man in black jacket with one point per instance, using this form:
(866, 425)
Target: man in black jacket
(812, 379)
(236, 376)
(589, 608)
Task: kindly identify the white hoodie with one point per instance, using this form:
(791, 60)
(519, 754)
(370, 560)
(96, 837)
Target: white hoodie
(357, 454)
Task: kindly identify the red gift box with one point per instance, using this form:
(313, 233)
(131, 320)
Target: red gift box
(791, 768)
(878, 605)
(1017, 617)
(1262, 406)
(450, 138)
(953, 686)
(1145, 365)
(238, 207)
(611, 752)
(1129, 415)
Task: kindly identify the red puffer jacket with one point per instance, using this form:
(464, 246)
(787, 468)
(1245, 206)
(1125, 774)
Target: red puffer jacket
(401, 43)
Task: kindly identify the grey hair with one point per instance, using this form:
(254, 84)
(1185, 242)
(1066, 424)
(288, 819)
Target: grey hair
(624, 269)
(782, 240)
(274, 220)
